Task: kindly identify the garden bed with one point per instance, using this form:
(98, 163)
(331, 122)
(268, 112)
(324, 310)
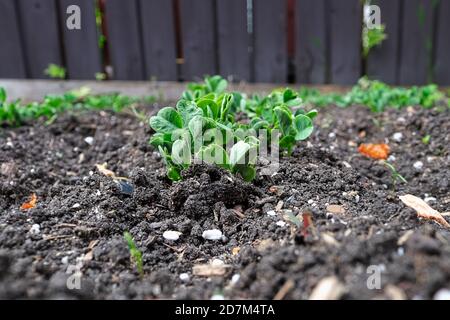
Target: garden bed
(358, 219)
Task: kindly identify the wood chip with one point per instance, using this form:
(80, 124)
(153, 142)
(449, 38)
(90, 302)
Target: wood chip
(103, 170)
(335, 209)
(235, 250)
(329, 288)
(279, 206)
(402, 240)
(423, 209)
(330, 240)
(394, 293)
(210, 270)
(285, 288)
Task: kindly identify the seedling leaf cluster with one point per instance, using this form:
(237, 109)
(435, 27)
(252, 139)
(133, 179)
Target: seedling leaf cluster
(221, 128)
(15, 113)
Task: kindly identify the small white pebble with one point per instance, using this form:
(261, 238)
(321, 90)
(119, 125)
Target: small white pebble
(398, 136)
(418, 165)
(400, 251)
(65, 260)
(217, 297)
(430, 199)
(76, 206)
(401, 119)
(217, 263)
(10, 144)
(214, 234)
(281, 223)
(89, 140)
(346, 164)
(271, 213)
(442, 294)
(332, 135)
(235, 278)
(35, 229)
(171, 235)
(184, 277)
(391, 158)
(91, 173)
(310, 201)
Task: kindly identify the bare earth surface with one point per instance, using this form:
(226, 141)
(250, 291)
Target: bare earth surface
(81, 214)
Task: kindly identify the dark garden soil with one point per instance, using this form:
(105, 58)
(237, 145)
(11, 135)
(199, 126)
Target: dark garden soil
(81, 214)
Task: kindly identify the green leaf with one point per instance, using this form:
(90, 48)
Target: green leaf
(284, 119)
(188, 110)
(173, 174)
(181, 153)
(214, 154)
(209, 107)
(287, 142)
(247, 173)
(312, 114)
(167, 120)
(226, 105)
(303, 127)
(2, 95)
(238, 152)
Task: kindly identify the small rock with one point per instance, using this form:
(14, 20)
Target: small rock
(235, 278)
(391, 158)
(271, 213)
(171, 235)
(335, 209)
(329, 288)
(89, 140)
(398, 136)
(346, 164)
(418, 165)
(184, 277)
(430, 199)
(217, 263)
(213, 234)
(442, 294)
(35, 229)
(125, 188)
(281, 223)
(76, 206)
(65, 260)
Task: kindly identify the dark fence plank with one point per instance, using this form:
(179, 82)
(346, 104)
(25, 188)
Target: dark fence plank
(233, 39)
(124, 40)
(39, 24)
(12, 63)
(311, 41)
(270, 40)
(382, 62)
(442, 61)
(85, 64)
(416, 45)
(158, 34)
(345, 38)
(198, 38)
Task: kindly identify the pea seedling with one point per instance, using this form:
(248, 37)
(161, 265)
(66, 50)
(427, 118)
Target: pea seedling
(136, 255)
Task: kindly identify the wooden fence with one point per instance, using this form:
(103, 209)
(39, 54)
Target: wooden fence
(302, 41)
